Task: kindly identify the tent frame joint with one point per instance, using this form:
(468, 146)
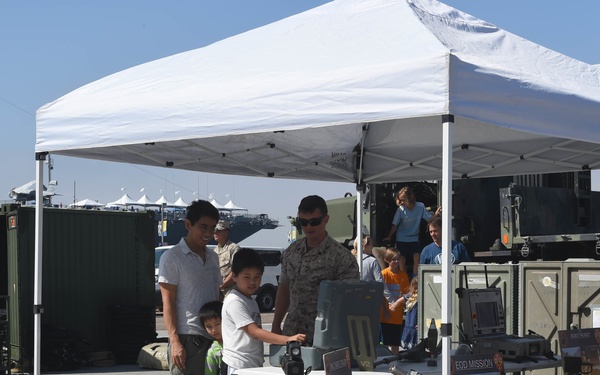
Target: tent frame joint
(448, 118)
(40, 155)
(446, 329)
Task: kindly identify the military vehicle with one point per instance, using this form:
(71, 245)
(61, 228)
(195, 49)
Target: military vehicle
(548, 217)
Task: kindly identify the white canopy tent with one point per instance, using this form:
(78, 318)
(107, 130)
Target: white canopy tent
(145, 201)
(180, 203)
(216, 204)
(234, 207)
(125, 200)
(162, 201)
(355, 90)
(86, 203)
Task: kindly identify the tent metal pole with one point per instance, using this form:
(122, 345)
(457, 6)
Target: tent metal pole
(446, 327)
(37, 286)
(359, 233)
(360, 189)
(162, 223)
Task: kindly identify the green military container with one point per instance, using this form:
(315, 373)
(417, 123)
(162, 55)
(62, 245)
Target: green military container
(542, 303)
(478, 276)
(581, 278)
(93, 264)
(556, 296)
(5, 364)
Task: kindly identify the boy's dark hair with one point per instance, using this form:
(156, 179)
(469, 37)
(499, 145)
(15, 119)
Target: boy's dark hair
(201, 208)
(246, 258)
(210, 310)
(435, 221)
(311, 203)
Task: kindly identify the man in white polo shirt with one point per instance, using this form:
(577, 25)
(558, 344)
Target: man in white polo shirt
(189, 277)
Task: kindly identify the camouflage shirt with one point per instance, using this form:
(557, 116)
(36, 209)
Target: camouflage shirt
(303, 270)
(225, 254)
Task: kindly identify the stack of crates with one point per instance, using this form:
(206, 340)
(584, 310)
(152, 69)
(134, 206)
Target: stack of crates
(540, 296)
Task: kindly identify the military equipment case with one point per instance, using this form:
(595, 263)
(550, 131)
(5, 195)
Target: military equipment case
(92, 261)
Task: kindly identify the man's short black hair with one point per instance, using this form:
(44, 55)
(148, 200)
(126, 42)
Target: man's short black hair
(311, 203)
(210, 310)
(246, 258)
(201, 208)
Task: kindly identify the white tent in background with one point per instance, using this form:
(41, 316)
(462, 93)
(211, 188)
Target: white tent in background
(232, 206)
(86, 203)
(180, 203)
(125, 200)
(359, 91)
(146, 202)
(216, 204)
(162, 201)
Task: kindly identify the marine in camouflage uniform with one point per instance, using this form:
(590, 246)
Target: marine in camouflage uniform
(306, 263)
(225, 254)
(225, 249)
(303, 270)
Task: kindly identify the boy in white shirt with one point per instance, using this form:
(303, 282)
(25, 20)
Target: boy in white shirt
(243, 336)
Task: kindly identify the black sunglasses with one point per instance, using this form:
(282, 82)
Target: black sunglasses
(312, 222)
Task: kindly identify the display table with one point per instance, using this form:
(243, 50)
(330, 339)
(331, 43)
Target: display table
(277, 370)
(405, 367)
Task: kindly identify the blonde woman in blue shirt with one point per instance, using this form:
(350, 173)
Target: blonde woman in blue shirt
(406, 226)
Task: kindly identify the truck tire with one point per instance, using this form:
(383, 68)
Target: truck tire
(266, 298)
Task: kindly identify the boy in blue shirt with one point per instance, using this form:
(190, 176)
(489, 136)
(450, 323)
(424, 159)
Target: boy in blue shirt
(432, 253)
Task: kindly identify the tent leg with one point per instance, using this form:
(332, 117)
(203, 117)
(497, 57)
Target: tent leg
(446, 331)
(37, 286)
(359, 233)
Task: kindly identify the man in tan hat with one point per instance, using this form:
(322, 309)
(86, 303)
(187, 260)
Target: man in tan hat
(225, 250)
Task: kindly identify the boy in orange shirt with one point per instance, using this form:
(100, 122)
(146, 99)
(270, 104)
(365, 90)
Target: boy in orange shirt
(392, 316)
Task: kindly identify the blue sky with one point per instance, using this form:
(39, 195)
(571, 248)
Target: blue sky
(48, 49)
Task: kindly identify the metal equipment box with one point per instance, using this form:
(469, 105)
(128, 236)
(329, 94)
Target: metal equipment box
(582, 293)
(540, 299)
(503, 276)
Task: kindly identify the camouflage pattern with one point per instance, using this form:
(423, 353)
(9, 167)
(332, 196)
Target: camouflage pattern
(303, 270)
(225, 254)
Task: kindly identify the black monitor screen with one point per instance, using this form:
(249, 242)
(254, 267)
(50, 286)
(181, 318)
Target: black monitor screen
(487, 315)
(483, 313)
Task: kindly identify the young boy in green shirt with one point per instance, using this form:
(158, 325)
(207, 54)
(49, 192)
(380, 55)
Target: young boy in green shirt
(210, 318)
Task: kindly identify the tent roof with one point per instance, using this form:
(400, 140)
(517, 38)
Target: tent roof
(180, 203)
(216, 204)
(145, 201)
(86, 203)
(232, 206)
(125, 200)
(301, 97)
(162, 200)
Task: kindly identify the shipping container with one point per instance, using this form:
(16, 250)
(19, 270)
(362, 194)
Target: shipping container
(93, 262)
